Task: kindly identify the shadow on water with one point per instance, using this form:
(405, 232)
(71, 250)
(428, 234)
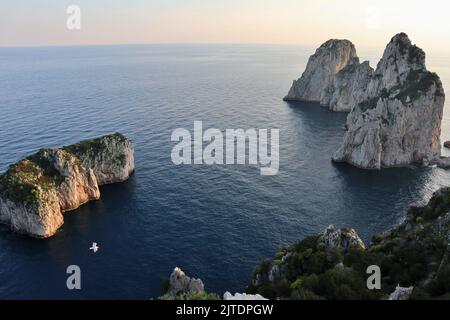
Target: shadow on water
(216, 223)
(364, 199)
(115, 199)
(114, 203)
(315, 117)
(93, 222)
(393, 182)
(313, 109)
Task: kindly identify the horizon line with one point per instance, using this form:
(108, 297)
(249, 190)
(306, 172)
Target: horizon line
(163, 43)
(286, 44)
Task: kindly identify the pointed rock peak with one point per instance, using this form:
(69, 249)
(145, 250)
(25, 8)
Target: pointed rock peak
(328, 60)
(334, 45)
(401, 38)
(401, 48)
(401, 62)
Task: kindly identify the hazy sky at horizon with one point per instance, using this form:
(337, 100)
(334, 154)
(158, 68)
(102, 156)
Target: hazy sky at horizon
(367, 23)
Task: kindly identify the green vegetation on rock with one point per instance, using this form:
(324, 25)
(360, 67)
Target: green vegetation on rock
(28, 181)
(90, 150)
(417, 84)
(414, 253)
(94, 147)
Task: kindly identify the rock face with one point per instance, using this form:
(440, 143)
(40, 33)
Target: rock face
(110, 157)
(35, 192)
(401, 293)
(180, 283)
(348, 86)
(396, 121)
(77, 186)
(342, 238)
(334, 77)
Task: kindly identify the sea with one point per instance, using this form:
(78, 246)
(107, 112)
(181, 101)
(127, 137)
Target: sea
(215, 222)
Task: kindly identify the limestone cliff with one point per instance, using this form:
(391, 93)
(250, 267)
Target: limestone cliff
(110, 157)
(35, 192)
(398, 119)
(343, 238)
(334, 77)
(182, 287)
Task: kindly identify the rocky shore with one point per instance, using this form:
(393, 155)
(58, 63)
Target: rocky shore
(413, 259)
(395, 111)
(36, 191)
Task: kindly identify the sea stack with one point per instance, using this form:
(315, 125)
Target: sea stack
(398, 120)
(36, 191)
(334, 77)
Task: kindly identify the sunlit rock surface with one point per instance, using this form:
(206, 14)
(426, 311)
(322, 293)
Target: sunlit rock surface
(36, 191)
(398, 122)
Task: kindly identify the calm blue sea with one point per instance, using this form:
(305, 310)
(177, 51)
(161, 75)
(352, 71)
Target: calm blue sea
(215, 222)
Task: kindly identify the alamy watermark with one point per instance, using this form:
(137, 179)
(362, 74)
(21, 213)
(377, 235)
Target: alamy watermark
(73, 282)
(236, 146)
(374, 280)
(74, 19)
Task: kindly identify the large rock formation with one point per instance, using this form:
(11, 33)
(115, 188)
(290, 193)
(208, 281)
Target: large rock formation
(182, 287)
(35, 192)
(348, 86)
(110, 157)
(344, 238)
(398, 119)
(413, 258)
(334, 77)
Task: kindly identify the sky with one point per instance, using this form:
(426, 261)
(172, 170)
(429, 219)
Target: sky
(367, 23)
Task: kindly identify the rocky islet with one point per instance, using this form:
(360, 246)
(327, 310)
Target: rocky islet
(36, 191)
(395, 111)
